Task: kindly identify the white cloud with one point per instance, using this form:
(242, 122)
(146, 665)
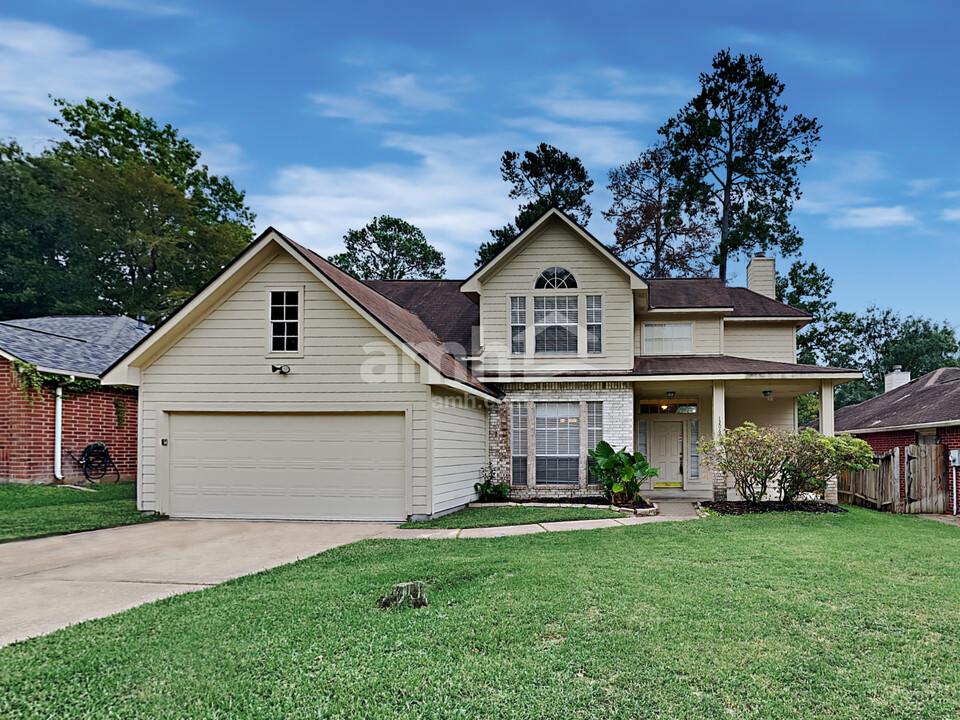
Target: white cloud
(951, 215)
(143, 7)
(922, 186)
(390, 98)
(874, 217)
(596, 145)
(826, 56)
(453, 193)
(38, 59)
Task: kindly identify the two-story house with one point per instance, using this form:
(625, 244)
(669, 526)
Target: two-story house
(289, 389)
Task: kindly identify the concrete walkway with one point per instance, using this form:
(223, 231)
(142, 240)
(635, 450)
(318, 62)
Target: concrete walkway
(49, 583)
(947, 519)
(669, 511)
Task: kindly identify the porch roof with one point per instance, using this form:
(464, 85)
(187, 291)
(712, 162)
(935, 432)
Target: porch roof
(692, 367)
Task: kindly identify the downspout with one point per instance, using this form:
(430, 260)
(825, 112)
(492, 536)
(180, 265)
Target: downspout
(58, 430)
(955, 491)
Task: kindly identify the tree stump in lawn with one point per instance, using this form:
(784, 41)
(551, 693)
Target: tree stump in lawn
(408, 593)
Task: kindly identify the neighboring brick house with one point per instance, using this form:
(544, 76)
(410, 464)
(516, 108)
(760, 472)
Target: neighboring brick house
(288, 389)
(75, 349)
(918, 412)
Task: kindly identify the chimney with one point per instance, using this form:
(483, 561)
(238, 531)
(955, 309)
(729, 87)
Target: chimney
(895, 379)
(762, 275)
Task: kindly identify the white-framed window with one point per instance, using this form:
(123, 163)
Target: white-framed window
(694, 453)
(594, 324)
(556, 324)
(285, 310)
(555, 278)
(518, 444)
(667, 338)
(557, 443)
(518, 325)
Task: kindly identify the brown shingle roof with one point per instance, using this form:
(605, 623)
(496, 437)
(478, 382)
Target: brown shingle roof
(723, 365)
(933, 398)
(443, 308)
(648, 366)
(404, 324)
(686, 293)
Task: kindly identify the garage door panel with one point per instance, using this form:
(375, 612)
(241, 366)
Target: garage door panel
(288, 466)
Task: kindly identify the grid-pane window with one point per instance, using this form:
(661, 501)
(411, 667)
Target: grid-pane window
(555, 278)
(284, 320)
(518, 325)
(694, 455)
(594, 434)
(518, 444)
(667, 338)
(558, 443)
(555, 321)
(594, 324)
(642, 437)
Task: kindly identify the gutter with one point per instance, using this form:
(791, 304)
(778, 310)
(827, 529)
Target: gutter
(58, 430)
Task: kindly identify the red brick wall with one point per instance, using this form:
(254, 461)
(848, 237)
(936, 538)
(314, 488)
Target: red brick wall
(950, 436)
(27, 430)
(885, 441)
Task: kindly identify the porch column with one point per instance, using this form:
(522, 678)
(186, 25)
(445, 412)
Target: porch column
(719, 411)
(827, 428)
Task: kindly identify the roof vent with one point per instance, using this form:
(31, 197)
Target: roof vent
(895, 379)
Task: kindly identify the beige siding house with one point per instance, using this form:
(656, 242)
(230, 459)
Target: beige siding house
(288, 389)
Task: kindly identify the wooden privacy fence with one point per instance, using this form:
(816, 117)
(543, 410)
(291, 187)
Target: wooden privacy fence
(877, 488)
(925, 481)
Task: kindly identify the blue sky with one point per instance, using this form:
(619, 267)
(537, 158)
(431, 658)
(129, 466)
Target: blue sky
(331, 113)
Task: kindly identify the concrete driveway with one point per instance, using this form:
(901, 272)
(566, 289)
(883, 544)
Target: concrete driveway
(49, 583)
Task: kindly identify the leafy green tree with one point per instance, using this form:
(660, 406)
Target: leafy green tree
(389, 248)
(119, 217)
(736, 155)
(545, 178)
(647, 238)
(807, 287)
(38, 249)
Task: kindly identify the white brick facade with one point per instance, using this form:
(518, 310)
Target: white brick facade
(617, 399)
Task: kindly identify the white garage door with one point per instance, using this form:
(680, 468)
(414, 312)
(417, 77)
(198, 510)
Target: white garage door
(328, 466)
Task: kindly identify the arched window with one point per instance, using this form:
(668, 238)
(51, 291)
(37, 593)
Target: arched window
(555, 278)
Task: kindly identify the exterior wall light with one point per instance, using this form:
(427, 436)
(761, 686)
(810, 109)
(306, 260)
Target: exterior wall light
(670, 394)
(768, 394)
(282, 369)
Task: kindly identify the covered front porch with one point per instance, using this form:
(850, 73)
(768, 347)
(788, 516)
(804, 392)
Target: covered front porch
(672, 415)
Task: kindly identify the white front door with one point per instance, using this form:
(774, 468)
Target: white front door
(666, 443)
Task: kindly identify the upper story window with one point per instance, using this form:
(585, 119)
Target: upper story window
(555, 278)
(284, 321)
(594, 324)
(556, 324)
(518, 325)
(667, 338)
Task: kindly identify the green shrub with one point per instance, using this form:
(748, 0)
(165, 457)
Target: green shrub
(489, 490)
(811, 458)
(757, 458)
(751, 455)
(620, 473)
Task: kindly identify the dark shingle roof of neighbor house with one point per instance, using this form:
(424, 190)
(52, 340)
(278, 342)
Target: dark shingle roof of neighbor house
(933, 398)
(404, 324)
(83, 344)
(687, 293)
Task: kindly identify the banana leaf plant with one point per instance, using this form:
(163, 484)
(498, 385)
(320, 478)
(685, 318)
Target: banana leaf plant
(619, 472)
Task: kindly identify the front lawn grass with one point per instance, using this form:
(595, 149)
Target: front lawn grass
(512, 515)
(28, 511)
(775, 616)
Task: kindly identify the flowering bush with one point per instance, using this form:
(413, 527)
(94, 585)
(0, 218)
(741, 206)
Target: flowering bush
(757, 458)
